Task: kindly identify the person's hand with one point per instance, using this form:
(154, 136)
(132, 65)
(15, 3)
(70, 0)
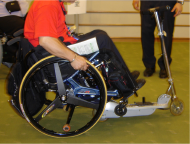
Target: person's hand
(136, 4)
(79, 63)
(177, 8)
(69, 1)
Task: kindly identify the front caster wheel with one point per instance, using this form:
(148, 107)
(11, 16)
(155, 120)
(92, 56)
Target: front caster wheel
(120, 110)
(177, 107)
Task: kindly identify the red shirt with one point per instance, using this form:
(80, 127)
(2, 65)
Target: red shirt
(46, 18)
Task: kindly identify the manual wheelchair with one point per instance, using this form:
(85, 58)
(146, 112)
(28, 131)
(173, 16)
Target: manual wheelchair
(71, 105)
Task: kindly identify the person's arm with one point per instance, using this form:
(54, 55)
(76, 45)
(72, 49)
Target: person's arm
(57, 48)
(136, 4)
(69, 1)
(177, 8)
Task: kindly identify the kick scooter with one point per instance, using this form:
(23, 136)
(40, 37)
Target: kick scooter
(113, 109)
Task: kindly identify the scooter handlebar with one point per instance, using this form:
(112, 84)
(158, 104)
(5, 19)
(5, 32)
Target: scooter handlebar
(151, 10)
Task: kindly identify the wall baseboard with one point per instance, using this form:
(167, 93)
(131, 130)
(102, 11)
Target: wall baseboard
(132, 39)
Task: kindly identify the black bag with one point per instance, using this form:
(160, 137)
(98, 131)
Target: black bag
(114, 74)
(12, 6)
(35, 99)
(117, 80)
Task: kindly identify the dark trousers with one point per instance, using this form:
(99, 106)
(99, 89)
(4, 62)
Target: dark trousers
(10, 24)
(148, 25)
(106, 44)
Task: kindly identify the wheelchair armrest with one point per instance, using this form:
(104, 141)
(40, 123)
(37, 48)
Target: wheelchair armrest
(18, 33)
(14, 40)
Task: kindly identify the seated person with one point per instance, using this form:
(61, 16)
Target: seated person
(11, 22)
(45, 24)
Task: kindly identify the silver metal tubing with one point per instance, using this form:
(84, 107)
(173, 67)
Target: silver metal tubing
(157, 21)
(164, 53)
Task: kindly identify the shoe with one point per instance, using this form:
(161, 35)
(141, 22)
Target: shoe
(135, 74)
(149, 72)
(163, 74)
(140, 83)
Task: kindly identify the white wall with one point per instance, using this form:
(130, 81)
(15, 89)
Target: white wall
(123, 18)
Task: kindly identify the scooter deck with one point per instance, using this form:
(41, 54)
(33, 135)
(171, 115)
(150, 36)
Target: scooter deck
(138, 108)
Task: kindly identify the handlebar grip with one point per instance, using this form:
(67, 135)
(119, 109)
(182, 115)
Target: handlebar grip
(162, 8)
(14, 40)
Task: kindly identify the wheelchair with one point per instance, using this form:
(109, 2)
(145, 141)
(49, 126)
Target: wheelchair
(7, 51)
(72, 104)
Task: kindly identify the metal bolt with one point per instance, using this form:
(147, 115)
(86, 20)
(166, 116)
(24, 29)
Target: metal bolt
(63, 98)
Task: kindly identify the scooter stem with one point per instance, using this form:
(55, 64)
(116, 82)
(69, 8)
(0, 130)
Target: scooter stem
(164, 53)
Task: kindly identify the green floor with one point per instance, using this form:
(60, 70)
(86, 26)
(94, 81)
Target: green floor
(160, 127)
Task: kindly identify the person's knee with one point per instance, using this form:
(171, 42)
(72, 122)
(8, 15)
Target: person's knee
(102, 38)
(99, 32)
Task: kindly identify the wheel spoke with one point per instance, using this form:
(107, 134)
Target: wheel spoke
(72, 108)
(81, 102)
(55, 104)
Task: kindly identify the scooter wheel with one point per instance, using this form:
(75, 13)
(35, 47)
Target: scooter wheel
(120, 110)
(177, 107)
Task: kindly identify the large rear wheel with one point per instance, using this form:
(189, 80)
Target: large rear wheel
(70, 114)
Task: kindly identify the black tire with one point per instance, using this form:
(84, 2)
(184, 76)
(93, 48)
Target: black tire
(52, 123)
